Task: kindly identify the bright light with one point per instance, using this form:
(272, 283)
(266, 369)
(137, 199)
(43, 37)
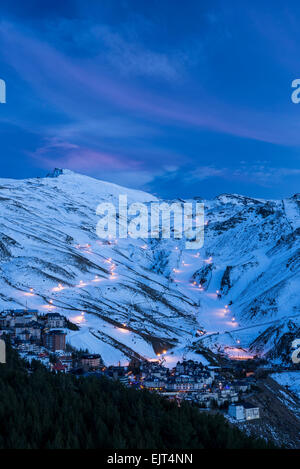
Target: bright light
(96, 279)
(209, 260)
(124, 331)
(81, 284)
(78, 319)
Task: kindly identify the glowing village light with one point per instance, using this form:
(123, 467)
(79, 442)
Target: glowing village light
(96, 279)
(209, 260)
(81, 284)
(58, 288)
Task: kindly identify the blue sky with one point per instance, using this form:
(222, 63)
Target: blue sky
(178, 98)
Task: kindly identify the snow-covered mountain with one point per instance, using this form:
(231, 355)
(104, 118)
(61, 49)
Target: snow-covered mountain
(137, 298)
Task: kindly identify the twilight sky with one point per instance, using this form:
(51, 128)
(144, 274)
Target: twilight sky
(179, 98)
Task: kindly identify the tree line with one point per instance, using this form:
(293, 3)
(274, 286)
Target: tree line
(43, 410)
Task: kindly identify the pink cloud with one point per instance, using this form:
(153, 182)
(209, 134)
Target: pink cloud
(50, 72)
(72, 156)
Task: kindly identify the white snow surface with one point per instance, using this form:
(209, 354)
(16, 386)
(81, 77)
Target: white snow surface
(135, 297)
(290, 379)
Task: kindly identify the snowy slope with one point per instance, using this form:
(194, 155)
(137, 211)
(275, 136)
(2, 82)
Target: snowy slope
(290, 379)
(139, 297)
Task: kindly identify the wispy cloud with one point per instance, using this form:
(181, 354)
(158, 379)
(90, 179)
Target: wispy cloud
(64, 154)
(50, 72)
(206, 172)
(264, 175)
(131, 58)
(260, 174)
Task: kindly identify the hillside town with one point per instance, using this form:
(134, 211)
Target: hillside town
(43, 338)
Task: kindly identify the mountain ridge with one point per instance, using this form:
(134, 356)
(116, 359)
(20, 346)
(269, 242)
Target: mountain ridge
(251, 255)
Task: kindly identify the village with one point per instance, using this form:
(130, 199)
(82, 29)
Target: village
(42, 337)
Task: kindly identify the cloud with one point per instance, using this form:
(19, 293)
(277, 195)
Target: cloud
(64, 154)
(82, 89)
(106, 166)
(264, 175)
(108, 127)
(206, 172)
(260, 174)
(131, 58)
